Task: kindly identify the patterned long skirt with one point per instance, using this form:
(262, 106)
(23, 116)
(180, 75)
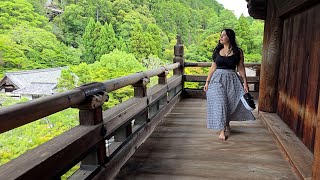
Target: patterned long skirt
(223, 100)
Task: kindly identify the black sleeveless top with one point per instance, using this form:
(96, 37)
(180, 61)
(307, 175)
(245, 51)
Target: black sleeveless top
(226, 62)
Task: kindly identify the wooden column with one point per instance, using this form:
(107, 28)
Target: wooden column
(178, 56)
(316, 157)
(271, 59)
(140, 90)
(91, 114)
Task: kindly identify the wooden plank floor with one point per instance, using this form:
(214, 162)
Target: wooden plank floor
(181, 147)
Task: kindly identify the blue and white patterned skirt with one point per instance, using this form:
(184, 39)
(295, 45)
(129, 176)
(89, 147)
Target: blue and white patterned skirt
(223, 99)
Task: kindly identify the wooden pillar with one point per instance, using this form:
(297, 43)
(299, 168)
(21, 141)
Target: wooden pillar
(91, 114)
(270, 60)
(178, 56)
(316, 157)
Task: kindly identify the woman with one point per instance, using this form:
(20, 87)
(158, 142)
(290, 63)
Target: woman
(223, 87)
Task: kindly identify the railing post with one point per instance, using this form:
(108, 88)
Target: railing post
(162, 78)
(91, 114)
(140, 90)
(178, 56)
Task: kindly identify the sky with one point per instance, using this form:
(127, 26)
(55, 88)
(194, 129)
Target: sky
(238, 6)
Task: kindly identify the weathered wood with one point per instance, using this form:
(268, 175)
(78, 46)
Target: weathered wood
(155, 92)
(162, 78)
(174, 81)
(194, 93)
(113, 167)
(270, 60)
(140, 88)
(21, 114)
(121, 82)
(118, 115)
(91, 114)
(299, 155)
(176, 151)
(98, 155)
(299, 80)
(54, 157)
(257, 8)
(178, 56)
(287, 7)
(316, 159)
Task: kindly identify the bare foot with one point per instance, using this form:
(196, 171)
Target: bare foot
(222, 136)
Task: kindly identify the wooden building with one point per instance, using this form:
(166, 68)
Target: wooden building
(290, 77)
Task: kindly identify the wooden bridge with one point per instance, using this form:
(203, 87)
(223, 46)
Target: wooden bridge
(161, 132)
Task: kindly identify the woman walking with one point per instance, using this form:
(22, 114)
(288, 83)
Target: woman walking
(223, 87)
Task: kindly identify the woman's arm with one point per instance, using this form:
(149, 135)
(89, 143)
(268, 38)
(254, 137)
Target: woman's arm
(211, 71)
(242, 72)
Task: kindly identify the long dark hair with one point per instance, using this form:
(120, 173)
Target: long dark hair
(233, 44)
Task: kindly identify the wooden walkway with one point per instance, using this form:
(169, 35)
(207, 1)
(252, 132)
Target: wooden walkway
(181, 147)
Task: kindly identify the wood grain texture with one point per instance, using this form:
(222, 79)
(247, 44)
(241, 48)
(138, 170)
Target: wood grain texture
(299, 78)
(54, 157)
(270, 59)
(181, 147)
(21, 114)
(112, 167)
(299, 155)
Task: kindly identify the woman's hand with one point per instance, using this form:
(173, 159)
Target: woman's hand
(245, 87)
(205, 88)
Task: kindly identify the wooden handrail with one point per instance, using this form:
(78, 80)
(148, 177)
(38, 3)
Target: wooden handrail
(21, 114)
(86, 142)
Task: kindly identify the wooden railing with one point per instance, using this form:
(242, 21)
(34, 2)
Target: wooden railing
(124, 126)
(199, 93)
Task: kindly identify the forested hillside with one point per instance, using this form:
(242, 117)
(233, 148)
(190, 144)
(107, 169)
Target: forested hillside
(104, 39)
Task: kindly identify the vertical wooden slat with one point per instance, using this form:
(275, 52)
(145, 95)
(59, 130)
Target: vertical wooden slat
(299, 73)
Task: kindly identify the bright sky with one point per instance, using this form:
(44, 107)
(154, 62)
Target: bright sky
(237, 6)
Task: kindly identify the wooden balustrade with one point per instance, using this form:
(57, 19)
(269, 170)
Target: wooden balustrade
(199, 93)
(124, 126)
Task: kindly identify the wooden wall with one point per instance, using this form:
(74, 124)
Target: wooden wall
(299, 73)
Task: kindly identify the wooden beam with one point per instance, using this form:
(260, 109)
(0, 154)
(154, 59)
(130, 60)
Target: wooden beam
(316, 160)
(120, 114)
(55, 157)
(20, 114)
(298, 154)
(194, 93)
(290, 6)
(121, 82)
(174, 81)
(157, 91)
